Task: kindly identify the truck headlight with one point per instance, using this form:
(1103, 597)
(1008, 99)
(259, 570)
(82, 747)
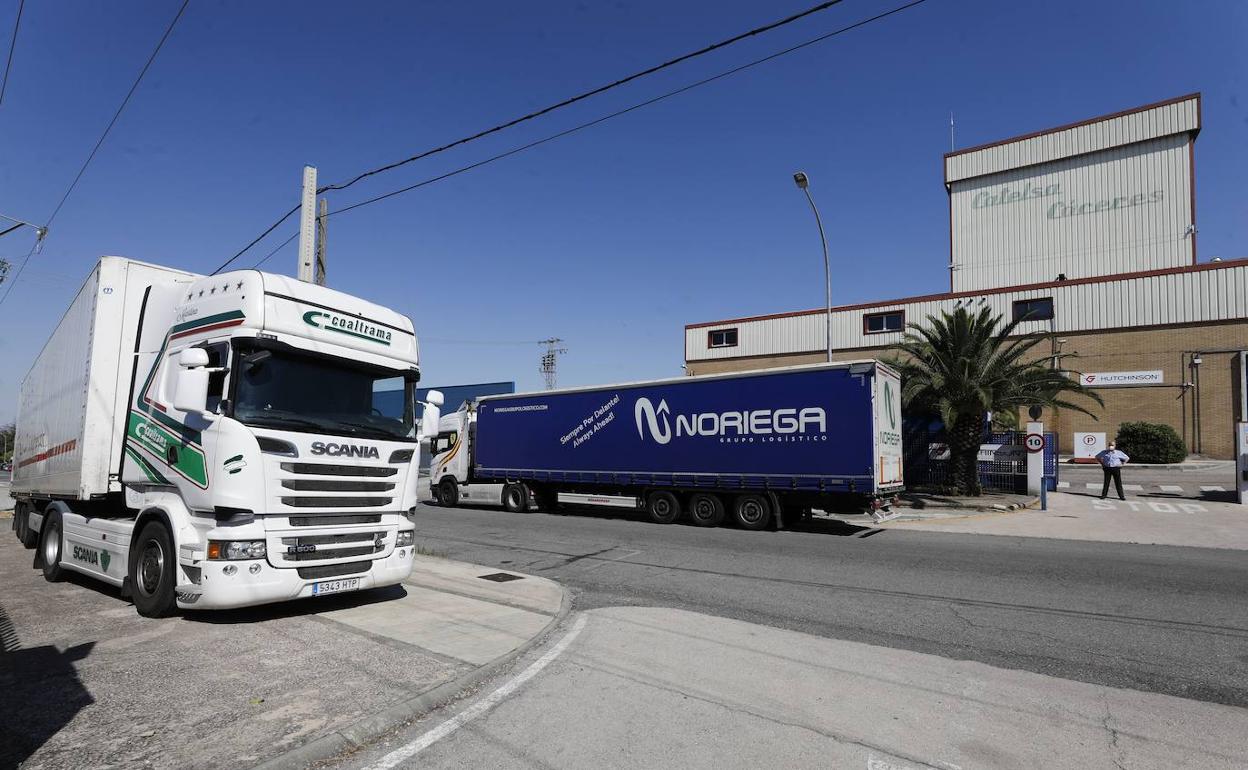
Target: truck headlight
(235, 550)
(406, 538)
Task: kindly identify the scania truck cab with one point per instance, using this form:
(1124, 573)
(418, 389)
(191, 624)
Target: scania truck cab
(209, 442)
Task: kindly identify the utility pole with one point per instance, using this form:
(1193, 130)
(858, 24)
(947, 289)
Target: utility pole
(550, 359)
(307, 226)
(322, 219)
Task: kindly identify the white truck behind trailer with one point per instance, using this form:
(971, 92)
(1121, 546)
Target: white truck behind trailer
(209, 442)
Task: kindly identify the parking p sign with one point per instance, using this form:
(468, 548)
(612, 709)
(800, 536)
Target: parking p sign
(1088, 446)
(1034, 442)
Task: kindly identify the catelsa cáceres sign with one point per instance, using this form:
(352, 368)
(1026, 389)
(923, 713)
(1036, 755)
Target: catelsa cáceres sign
(1061, 209)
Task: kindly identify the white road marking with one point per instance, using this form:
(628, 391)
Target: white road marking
(404, 753)
(1063, 485)
(1171, 488)
(1133, 487)
(1092, 485)
(1212, 489)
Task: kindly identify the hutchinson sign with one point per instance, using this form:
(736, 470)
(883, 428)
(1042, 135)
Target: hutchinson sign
(1121, 379)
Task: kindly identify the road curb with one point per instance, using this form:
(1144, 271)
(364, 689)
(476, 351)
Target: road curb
(370, 728)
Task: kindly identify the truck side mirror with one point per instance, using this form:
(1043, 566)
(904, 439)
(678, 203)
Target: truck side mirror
(432, 414)
(190, 392)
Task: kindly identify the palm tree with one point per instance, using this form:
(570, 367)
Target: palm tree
(962, 366)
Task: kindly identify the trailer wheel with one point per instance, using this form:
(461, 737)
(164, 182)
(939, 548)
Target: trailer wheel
(448, 493)
(663, 507)
(50, 542)
(752, 511)
(516, 498)
(152, 568)
(706, 510)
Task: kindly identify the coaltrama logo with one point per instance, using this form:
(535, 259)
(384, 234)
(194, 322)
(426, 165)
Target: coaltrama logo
(643, 408)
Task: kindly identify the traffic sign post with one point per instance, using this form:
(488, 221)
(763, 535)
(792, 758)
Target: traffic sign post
(1034, 442)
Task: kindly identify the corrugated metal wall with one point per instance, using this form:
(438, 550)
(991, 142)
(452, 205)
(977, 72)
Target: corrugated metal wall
(1164, 120)
(1121, 210)
(1188, 297)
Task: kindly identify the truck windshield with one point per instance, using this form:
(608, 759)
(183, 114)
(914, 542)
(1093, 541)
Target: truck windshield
(278, 389)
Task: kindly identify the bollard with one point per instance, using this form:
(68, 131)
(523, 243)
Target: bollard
(1044, 495)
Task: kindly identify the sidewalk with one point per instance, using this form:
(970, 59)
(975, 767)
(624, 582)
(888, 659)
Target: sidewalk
(284, 685)
(1143, 519)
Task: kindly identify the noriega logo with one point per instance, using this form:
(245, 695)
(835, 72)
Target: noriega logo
(746, 423)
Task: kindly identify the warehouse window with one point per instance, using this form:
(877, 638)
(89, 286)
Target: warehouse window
(879, 323)
(723, 338)
(1040, 309)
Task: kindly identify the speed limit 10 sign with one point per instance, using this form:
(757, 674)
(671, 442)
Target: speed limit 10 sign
(1034, 442)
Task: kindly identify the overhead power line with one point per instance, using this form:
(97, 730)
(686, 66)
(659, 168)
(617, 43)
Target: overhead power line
(543, 111)
(90, 157)
(587, 124)
(592, 92)
(8, 64)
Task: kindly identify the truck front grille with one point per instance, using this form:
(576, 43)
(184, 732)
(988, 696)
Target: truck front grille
(333, 485)
(336, 502)
(334, 570)
(335, 546)
(326, 469)
(337, 553)
(333, 519)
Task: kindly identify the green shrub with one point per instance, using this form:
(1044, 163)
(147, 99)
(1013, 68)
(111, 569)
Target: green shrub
(1151, 442)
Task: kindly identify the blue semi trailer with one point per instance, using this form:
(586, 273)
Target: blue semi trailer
(759, 447)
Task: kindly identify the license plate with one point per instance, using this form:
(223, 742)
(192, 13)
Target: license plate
(335, 586)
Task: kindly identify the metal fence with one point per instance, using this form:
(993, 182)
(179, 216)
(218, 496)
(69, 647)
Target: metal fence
(1002, 460)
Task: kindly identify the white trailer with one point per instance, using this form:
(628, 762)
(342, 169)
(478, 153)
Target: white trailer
(208, 442)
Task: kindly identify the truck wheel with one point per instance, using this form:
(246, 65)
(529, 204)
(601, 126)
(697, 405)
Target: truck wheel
(516, 498)
(752, 511)
(152, 568)
(448, 493)
(50, 542)
(663, 507)
(706, 510)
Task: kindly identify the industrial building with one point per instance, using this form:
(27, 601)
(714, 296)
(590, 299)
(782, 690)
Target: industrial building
(1089, 231)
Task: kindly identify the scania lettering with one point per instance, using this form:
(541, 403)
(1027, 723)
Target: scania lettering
(759, 447)
(338, 450)
(248, 438)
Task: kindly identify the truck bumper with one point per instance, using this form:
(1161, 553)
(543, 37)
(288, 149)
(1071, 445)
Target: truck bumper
(219, 591)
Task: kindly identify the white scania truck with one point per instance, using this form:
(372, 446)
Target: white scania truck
(208, 442)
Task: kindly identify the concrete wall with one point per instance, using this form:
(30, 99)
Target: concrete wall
(1161, 348)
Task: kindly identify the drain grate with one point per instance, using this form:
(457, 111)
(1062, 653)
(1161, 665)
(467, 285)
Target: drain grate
(501, 577)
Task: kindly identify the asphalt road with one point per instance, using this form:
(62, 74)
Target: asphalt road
(1158, 619)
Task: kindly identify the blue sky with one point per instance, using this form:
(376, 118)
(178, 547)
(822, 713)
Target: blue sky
(613, 238)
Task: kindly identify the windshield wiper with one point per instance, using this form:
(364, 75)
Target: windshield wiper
(381, 433)
(283, 421)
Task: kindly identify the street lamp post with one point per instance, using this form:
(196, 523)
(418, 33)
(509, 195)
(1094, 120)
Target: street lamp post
(803, 184)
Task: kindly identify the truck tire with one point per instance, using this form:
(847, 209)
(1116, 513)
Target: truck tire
(50, 543)
(516, 498)
(663, 507)
(448, 493)
(706, 510)
(752, 512)
(152, 571)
